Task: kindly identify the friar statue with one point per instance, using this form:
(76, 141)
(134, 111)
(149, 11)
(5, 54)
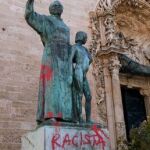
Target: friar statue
(55, 94)
(81, 60)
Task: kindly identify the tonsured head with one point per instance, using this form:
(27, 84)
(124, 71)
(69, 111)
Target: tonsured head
(56, 8)
(81, 37)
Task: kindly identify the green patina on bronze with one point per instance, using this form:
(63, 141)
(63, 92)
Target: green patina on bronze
(59, 98)
(81, 59)
(55, 95)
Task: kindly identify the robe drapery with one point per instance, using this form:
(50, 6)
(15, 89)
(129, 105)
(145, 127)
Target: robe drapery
(55, 95)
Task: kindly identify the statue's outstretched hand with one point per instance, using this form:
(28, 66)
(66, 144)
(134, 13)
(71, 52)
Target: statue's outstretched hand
(30, 1)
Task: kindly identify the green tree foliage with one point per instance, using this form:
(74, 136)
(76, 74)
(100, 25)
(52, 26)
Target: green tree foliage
(140, 137)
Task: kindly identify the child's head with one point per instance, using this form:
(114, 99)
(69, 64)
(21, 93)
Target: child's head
(81, 37)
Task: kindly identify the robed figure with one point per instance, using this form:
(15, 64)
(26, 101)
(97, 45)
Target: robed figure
(55, 96)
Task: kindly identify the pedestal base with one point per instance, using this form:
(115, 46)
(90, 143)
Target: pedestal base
(66, 138)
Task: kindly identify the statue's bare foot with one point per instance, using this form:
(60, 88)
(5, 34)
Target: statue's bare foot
(53, 120)
(81, 120)
(39, 122)
(89, 121)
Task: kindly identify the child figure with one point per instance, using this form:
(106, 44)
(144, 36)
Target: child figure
(81, 60)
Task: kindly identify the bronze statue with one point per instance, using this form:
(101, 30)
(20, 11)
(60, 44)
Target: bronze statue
(55, 93)
(81, 59)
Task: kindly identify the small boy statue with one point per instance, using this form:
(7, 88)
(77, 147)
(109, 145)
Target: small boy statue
(81, 60)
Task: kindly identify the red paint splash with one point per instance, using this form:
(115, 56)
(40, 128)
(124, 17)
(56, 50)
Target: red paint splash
(46, 73)
(101, 139)
(50, 115)
(59, 115)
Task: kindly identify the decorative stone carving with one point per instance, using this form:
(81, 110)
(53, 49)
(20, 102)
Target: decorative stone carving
(147, 54)
(100, 89)
(135, 27)
(104, 6)
(95, 34)
(134, 3)
(114, 65)
(145, 92)
(109, 29)
(105, 36)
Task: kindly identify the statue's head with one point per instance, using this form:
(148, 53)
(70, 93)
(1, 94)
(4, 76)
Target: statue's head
(56, 8)
(81, 37)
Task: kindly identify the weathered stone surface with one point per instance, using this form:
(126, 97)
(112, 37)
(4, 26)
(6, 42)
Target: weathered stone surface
(67, 138)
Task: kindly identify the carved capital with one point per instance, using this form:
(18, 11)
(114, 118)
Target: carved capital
(114, 65)
(105, 7)
(145, 92)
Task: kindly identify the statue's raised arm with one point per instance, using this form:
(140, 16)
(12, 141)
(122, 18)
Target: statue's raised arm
(29, 8)
(35, 20)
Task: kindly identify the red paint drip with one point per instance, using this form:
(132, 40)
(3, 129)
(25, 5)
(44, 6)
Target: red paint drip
(46, 73)
(59, 115)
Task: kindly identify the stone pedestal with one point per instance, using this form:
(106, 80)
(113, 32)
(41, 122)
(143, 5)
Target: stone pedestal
(66, 138)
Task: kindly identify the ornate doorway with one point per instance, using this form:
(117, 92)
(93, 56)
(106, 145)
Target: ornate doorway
(134, 108)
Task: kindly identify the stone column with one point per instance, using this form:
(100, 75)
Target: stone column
(105, 45)
(146, 94)
(109, 104)
(147, 105)
(117, 98)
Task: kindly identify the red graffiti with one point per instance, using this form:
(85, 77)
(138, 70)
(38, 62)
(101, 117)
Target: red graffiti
(46, 73)
(50, 115)
(80, 139)
(67, 140)
(59, 115)
(101, 140)
(74, 140)
(55, 143)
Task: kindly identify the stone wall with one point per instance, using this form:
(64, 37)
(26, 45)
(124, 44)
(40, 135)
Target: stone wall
(20, 56)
